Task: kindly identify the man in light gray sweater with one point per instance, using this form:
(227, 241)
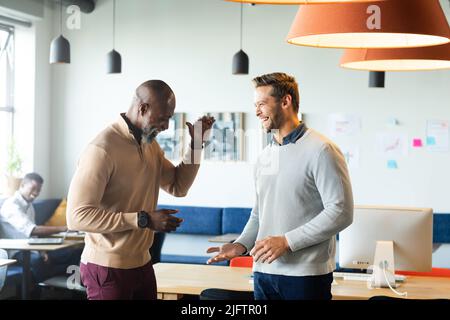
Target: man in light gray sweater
(303, 199)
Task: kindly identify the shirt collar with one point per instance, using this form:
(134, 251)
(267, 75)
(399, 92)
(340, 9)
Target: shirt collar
(135, 131)
(18, 196)
(294, 135)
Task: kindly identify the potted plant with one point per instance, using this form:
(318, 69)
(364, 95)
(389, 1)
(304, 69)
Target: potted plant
(13, 169)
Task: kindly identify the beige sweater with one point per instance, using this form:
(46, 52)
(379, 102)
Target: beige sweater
(115, 178)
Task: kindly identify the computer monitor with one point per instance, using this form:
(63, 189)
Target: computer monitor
(389, 238)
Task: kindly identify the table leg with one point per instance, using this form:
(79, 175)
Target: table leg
(26, 275)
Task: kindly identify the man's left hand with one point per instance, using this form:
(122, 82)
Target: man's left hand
(269, 249)
(199, 131)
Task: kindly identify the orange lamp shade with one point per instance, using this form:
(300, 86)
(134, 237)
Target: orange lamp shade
(406, 59)
(298, 1)
(385, 24)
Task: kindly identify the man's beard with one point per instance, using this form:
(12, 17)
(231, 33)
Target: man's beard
(275, 119)
(149, 134)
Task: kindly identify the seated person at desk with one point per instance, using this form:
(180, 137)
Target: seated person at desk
(17, 221)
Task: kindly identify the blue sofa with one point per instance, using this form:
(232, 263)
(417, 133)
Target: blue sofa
(189, 243)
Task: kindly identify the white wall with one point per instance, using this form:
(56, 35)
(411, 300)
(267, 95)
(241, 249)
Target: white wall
(42, 100)
(189, 44)
(23, 9)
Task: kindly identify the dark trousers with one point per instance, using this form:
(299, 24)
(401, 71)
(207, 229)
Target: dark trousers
(57, 263)
(104, 283)
(278, 287)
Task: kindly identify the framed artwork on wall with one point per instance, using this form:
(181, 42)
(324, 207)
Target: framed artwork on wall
(171, 140)
(227, 137)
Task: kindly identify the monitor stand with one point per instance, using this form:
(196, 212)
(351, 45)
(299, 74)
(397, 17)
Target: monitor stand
(384, 266)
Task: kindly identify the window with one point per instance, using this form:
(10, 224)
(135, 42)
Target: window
(6, 91)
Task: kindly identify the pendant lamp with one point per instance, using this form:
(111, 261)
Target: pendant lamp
(377, 79)
(113, 58)
(383, 24)
(240, 59)
(60, 46)
(407, 59)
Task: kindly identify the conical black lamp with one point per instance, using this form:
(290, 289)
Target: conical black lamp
(377, 79)
(60, 46)
(240, 59)
(113, 58)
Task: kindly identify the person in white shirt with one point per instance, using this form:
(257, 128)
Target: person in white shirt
(17, 216)
(17, 221)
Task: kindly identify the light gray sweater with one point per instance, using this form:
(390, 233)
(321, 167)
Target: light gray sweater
(303, 192)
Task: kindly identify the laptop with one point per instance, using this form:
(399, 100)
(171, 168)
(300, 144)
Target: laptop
(44, 241)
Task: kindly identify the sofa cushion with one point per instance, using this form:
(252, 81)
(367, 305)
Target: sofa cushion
(235, 219)
(186, 244)
(45, 209)
(441, 228)
(186, 248)
(172, 258)
(198, 220)
(58, 218)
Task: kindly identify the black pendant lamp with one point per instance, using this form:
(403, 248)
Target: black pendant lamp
(60, 46)
(377, 79)
(113, 58)
(240, 59)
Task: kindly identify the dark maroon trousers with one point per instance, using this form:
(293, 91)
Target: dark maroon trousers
(104, 283)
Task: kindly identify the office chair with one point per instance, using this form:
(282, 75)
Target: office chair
(155, 250)
(223, 294)
(3, 255)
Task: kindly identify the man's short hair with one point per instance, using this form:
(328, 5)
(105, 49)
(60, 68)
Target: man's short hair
(282, 84)
(33, 176)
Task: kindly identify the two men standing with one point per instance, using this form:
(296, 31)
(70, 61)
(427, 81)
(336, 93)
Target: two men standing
(299, 208)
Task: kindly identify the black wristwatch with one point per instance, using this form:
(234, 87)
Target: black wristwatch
(143, 219)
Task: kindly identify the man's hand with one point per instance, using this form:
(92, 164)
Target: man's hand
(163, 220)
(226, 252)
(269, 249)
(199, 131)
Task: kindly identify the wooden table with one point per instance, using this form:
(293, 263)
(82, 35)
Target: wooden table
(225, 238)
(175, 280)
(23, 246)
(417, 288)
(7, 262)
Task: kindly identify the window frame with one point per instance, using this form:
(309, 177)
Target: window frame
(9, 107)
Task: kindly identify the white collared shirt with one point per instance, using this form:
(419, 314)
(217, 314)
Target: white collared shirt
(16, 218)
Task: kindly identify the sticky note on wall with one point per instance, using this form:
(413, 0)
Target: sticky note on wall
(392, 164)
(431, 141)
(417, 143)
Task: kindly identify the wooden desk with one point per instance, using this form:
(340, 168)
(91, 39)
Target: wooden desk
(23, 246)
(175, 280)
(7, 262)
(417, 288)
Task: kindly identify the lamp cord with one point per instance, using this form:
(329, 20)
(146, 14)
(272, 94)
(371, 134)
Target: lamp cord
(241, 22)
(114, 24)
(60, 16)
